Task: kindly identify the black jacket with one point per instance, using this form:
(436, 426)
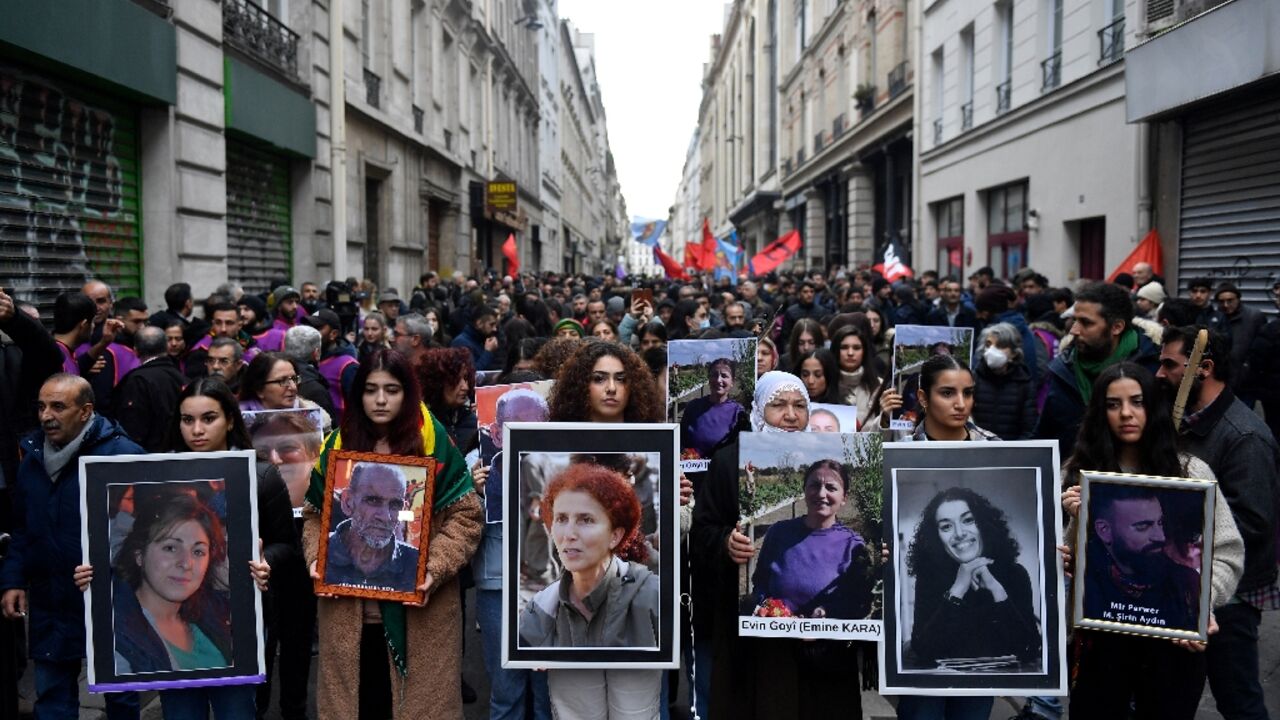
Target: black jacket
(966, 318)
(314, 387)
(28, 356)
(1238, 447)
(1005, 403)
(146, 399)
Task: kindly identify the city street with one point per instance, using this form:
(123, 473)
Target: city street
(874, 706)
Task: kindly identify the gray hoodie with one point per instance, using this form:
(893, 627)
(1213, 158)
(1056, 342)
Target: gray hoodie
(624, 612)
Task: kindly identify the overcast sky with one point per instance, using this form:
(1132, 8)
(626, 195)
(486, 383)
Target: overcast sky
(649, 58)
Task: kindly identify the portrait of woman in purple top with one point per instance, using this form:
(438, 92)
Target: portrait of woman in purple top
(813, 564)
(708, 420)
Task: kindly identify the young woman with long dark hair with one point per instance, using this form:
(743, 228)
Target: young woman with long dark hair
(381, 658)
(820, 374)
(1128, 428)
(858, 380)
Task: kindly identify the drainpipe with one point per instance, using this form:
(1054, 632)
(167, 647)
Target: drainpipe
(338, 139)
(1142, 177)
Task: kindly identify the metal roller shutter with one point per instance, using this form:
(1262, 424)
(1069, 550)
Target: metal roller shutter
(258, 226)
(1230, 224)
(69, 189)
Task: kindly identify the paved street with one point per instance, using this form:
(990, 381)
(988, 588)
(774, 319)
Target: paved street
(874, 706)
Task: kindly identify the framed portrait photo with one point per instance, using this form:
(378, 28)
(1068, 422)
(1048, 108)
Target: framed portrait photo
(1144, 555)
(170, 537)
(912, 346)
(290, 440)
(592, 510)
(710, 385)
(497, 405)
(811, 504)
(377, 516)
(975, 594)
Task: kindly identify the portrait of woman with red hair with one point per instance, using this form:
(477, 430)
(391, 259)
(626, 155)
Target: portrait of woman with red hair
(605, 596)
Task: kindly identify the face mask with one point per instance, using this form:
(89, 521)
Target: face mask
(995, 357)
(704, 324)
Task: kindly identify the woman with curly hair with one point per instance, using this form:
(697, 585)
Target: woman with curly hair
(593, 516)
(620, 387)
(369, 649)
(972, 597)
(553, 355)
(448, 378)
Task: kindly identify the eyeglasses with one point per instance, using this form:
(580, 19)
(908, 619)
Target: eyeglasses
(284, 381)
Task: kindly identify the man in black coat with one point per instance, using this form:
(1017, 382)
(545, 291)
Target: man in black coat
(952, 311)
(1240, 450)
(147, 398)
(804, 307)
(179, 307)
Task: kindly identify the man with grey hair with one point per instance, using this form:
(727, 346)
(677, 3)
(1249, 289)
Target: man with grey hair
(413, 335)
(37, 576)
(146, 399)
(225, 359)
(363, 549)
(302, 346)
(231, 290)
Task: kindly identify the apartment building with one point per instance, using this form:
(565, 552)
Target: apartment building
(1024, 157)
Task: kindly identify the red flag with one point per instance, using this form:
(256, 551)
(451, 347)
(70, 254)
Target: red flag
(512, 253)
(709, 247)
(670, 267)
(775, 253)
(692, 255)
(1148, 251)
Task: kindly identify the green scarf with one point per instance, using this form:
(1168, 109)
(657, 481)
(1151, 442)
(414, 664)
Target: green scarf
(1088, 370)
(453, 480)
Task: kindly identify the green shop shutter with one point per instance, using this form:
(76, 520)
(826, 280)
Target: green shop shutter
(69, 189)
(258, 227)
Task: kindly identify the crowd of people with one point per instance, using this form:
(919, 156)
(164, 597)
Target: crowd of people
(1093, 367)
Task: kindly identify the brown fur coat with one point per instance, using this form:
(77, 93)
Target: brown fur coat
(431, 689)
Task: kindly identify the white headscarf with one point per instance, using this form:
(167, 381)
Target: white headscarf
(768, 386)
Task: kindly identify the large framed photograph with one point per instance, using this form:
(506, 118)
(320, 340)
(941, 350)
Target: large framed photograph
(172, 603)
(377, 517)
(592, 512)
(811, 504)
(290, 440)
(1144, 555)
(976, 592)
(710, 384)
(497, 405)
(912, 346)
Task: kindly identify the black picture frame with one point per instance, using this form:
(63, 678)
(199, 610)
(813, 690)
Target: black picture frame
(225, 483)
(554, 443)
(1021, 481)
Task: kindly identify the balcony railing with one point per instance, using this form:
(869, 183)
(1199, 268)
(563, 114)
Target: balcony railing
(898, 79)
(937, 131)
(1111, 42)
(786, 166)
(418, 116)
(255, 31)
(372, 88)
(1051, 72)
(865, 99)
(448, 140)
(1003, 96)
(799, 157)
(838, 126)
(966, 115)
(817, 142)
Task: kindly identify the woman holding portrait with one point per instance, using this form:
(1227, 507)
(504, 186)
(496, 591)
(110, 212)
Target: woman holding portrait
(380, 658)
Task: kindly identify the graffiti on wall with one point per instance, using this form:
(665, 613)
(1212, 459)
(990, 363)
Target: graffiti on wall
(64, 214)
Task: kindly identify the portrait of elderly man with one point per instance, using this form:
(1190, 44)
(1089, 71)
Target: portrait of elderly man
(1129, 563)
(363, 548)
